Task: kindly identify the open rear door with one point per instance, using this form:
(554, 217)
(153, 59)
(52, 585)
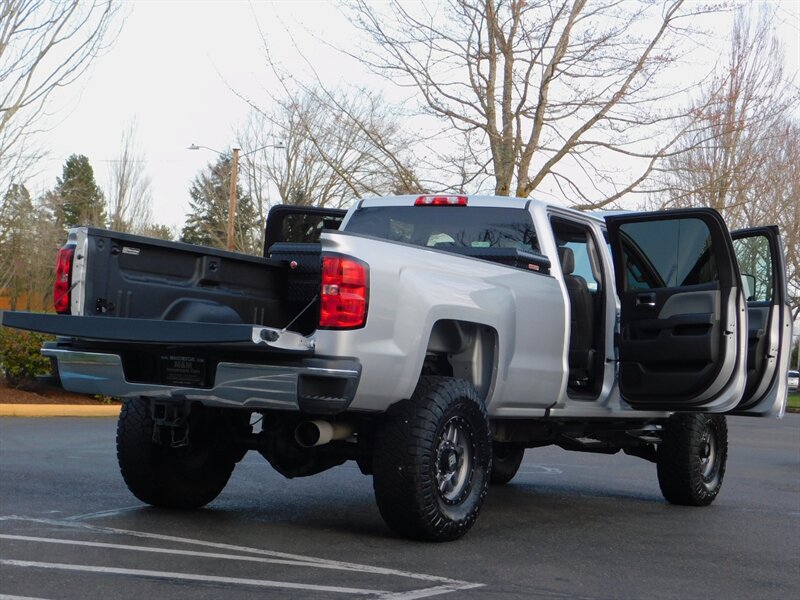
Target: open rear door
(761, 262)
(683, 326)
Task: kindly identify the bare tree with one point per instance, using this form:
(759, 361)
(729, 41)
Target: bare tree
(322, 148)
(45, 45)
(783, 185)
(128, 191)
(740, 110)
(741, 155)
(543, 90)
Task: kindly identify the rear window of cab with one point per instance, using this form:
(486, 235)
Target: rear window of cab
(448, 226)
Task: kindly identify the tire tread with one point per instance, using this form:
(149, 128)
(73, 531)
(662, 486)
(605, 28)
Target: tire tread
(679, 475)
(402, 481)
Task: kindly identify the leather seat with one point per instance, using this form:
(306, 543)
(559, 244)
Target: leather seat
(581, 337)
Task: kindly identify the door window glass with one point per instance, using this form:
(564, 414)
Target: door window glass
(755, 265)
(665, 254)
(584, 266)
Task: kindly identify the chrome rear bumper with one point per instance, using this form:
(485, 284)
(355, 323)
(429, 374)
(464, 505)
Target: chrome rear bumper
(311, 385)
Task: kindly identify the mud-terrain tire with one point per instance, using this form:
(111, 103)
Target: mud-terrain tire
(159, 474)
(691, 458)
(432, 460)
(506, 459)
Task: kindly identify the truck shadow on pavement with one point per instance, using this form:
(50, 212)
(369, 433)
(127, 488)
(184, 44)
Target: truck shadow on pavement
(526, 504)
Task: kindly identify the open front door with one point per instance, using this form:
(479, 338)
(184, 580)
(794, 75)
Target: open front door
(769, 330)
(683, 327)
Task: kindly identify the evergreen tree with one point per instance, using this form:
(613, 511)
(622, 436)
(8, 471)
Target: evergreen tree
(15, 216)
(162, 232)
(81, 199)
(16, 204)
(207, 222)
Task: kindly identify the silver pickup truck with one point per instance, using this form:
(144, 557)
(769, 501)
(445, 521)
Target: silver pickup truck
(431, 339)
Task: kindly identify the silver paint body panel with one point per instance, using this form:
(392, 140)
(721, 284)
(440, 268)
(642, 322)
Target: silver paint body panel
(412, 288)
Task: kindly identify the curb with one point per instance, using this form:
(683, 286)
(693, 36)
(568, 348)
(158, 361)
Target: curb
(59, 410)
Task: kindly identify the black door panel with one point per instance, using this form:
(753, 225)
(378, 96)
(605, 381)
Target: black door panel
(757, 318)
(759, 252)
(666, 352)
(681, 335)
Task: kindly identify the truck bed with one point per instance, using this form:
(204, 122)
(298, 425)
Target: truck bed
(129, 276)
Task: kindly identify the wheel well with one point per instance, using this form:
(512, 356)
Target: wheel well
(464, 350)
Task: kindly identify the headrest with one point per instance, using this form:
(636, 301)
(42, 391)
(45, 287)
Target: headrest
(567, 259)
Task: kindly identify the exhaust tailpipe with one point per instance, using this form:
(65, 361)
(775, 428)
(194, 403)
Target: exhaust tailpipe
(318, 433)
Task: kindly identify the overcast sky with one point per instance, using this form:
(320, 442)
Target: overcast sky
(173, 69)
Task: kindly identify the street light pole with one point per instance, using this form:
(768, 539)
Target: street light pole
(232, 198)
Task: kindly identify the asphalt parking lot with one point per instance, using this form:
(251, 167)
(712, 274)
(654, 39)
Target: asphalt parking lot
(569, 526)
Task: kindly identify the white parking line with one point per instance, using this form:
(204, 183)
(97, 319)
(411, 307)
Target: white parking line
(344, 566)
(428, 592)
(192, 577)
(103, 513)
(175, 551)
(445, 584)
(540, 469)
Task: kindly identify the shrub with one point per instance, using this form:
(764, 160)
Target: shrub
(20, 357)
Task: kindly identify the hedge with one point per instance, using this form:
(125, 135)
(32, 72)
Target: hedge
(20, 355)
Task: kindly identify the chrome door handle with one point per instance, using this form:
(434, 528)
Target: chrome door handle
(648, 300)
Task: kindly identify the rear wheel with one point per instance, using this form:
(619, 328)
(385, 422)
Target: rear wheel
(432, 460)
(506, 459)
(158, 470)
(692, 457)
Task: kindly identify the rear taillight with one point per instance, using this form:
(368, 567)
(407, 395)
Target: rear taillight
(343, 298)
(441, 201)
(61, 287)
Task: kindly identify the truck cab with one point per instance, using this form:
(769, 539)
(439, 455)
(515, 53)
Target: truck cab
(658, 314)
